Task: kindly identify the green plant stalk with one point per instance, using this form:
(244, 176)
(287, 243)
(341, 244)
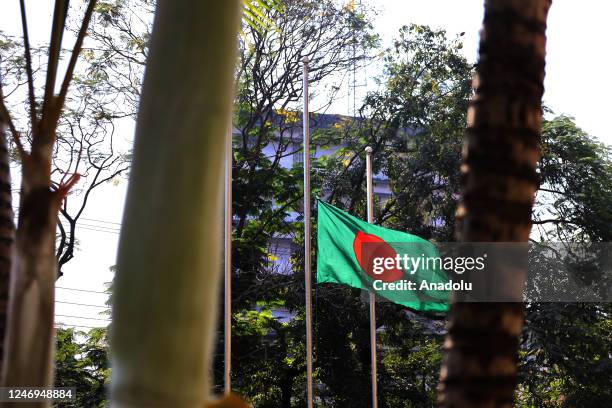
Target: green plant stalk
(169, 264)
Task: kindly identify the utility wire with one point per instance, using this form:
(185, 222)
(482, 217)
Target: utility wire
(114, 229)
(80, 290)
(99, 230)
(81, 317)
(60, 325)
(16, 211)
(90, 227)
(101, 221)
(81, 304)
(96, 226)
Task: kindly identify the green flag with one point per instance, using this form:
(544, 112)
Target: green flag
(393, 264)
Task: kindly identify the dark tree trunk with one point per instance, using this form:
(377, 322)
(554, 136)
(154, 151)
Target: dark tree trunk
(7, 231)
(286, 386)
(499, 183)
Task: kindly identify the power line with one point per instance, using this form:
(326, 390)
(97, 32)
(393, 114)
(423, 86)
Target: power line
(99, 230)
(80, 290)
(81, 317)
(101, 221)
(97, 226)
(91, 227)
(16, 211)
(81, 304)
(60, 325)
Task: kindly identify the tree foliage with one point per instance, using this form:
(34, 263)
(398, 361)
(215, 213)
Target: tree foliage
(89, 142)
(576, 187)
(81, 362)
(566, 349)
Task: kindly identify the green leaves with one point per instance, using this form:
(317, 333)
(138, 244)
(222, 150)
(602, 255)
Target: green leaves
(81, 361)
(415, 122)
(576, 184)
(254, 13)
(108, 7)
(566, 353)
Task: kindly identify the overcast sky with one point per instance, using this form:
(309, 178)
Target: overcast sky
(576, 84)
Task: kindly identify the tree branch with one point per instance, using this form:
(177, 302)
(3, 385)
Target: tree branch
(75, 52)
(7, 117)
(57, 30)
(551, 221)
(28, 58)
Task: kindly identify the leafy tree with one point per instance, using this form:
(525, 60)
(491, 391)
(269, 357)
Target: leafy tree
(565, 356)
(81, 362)
(86, 137)
(270, 367)
(566, 348)
(266, 187)
(563, 145)
(415, 127)
(410, 363)
(576, 188)
(414, 124)
(121, 34)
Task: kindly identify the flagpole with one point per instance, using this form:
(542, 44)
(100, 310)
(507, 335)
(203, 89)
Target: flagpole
(368, 151)
(307, 280)
(228, 265)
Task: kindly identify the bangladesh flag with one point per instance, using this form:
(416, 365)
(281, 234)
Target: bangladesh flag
(389, 263)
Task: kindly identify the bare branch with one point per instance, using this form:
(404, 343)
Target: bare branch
(551, 221)
(28, 58)
(57, 30)
(75, 52)
(4, 113)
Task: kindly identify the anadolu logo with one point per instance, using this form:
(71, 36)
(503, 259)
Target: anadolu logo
(365, 255)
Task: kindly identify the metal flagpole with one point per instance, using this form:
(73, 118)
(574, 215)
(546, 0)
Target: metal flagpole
(368, 151)
(228, 264)
(307, 276)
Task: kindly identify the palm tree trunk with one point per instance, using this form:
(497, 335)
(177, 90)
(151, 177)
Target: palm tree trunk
(28, 343)
(499, 184)
(29, 336)
(7, 231)
(169, 261)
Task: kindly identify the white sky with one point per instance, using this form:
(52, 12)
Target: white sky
(576, 84)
